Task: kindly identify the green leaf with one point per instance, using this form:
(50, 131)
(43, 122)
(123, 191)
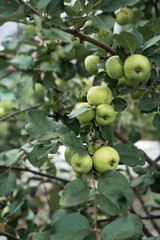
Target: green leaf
(114, 199)
(134, 136)
(37, 153)
(9, 157)
(156, 122)
(42, 236)
(99, 78)
(128, 41)
(103, 21)
(66, 70)
(56, 34)
(7, 183)
(76, 192)
(138, 35)
(71, 226)
(8, 8)
(38, 124)
(108, 134)
(129, 227)
(147, 104)
(130, 155)
(151, 42)
(78, 111)
(22, 61)
(16, 206)
(153, 238)
(74, 143)
(110, 5)
(56, 6)
(43, 4)
(23, 86)
(119, 104)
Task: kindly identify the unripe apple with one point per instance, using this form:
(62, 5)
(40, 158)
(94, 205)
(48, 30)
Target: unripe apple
(137, 69)
(68, 155)
(91, 64)
(105, 114)
(105, 158)
(29, 30)
(124, 16)
(114, 67)
(87, 116)
(81, 164)
(98, 95)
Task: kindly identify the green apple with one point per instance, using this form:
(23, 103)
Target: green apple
(98, 95)
(137, 94)
(105, 158)
(114, 67)
(124, 16)
(137, 69)
(91, 64)
(81, 164)
(68, 155)
(121, 81)
(29, 30)
(67, 56)
(105, 114)
(87, 116)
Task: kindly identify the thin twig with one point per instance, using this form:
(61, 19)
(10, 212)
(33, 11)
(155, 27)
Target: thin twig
(145, 230)
(21, 111)
(95, 206)
(8, 235)
(29, 6)
(37, 173)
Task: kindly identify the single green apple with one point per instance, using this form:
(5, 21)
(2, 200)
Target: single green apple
(98, 95)
(29, 30)
(121, 81)
(81, 164)
(137, 69)
(105, 114)
(91, 64)
(137, 94)
(124, 16)
(105, 158)
(87, 116)
(68, 155)
(114, 67)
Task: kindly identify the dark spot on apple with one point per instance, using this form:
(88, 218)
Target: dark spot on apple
(112, 163)
(78, 164)
(138, 70)
(105, 117)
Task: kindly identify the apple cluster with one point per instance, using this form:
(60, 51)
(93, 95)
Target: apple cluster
(104, 158)
(136, 69)
(98, 102)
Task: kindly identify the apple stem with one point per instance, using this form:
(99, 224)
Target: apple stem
(95, 206)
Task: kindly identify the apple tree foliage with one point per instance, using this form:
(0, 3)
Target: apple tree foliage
(42, 78)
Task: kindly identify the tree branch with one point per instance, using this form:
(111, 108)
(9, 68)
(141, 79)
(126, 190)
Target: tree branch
(21, 111)
(95, 206)
(86, 38)
(37, 173)
(29, 6)
(126, 141)
(8, 235)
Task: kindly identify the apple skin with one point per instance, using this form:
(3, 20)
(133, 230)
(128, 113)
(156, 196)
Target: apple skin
(68, 155)
(98, 95)
(87, 116)
(81, 164)
(114, 67)
(105, 158)
(105, 114)
(124, 16)
(90, 63)
(137, 70)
